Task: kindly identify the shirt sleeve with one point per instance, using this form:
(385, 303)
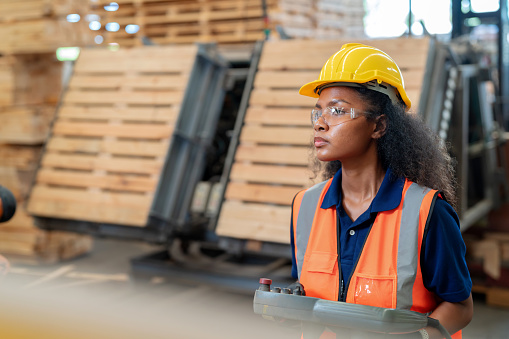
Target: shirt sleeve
(444, 268)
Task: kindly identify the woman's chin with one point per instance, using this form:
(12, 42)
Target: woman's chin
(324, 158)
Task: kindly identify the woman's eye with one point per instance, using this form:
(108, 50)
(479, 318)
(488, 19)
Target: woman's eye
(338, 110)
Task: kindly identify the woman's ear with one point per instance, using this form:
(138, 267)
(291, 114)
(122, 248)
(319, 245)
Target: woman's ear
(380, 127)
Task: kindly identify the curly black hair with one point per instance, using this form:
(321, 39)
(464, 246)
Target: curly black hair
(409, 148)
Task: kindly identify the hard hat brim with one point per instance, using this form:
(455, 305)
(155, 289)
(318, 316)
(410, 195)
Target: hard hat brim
(309, 90)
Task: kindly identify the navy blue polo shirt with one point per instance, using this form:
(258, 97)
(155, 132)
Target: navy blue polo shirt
(444, 268)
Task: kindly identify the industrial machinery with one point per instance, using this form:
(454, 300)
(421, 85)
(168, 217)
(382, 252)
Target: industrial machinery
(315, 315)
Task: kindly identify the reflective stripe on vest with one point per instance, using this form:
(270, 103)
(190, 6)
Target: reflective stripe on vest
(306, 213)
(408, 255)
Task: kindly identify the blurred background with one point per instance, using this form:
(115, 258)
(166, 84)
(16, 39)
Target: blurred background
(153, 149)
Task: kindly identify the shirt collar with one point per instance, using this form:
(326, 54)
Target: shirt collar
(387, 198)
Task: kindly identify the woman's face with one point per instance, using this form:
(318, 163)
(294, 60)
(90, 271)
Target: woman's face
(352, 137)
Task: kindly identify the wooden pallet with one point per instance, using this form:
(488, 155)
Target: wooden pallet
(25, 125)
(271, 161)
(111, 135)
(19, 10)
(491, 251)
(224, 21)
(318, 19)
(19, 156)
(25, 10)
(30, 81)
(39, 26)
(495, 296)
(41, 35)
(22, 242)
(38, 79)
(6, 82)
(23, 161)
(234, 31)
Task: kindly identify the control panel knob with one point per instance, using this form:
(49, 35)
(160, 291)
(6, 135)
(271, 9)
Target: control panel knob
(265, 284)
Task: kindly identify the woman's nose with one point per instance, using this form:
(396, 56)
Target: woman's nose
(320, 124)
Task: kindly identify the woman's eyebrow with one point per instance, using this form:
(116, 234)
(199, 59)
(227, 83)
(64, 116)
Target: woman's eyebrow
(332, 102)
(336, 101)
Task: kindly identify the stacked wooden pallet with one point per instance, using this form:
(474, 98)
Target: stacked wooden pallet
(6, 81)
(295, 18)
(320, 19)
(339, 19)
(111, 135)
(37, 79)
(20, 240)
(32, 86)
(271, 162)
(488, 261)
(25, 125)
(167, 22)
(28, 26)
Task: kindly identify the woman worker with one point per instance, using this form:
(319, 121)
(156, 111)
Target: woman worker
(381, 230)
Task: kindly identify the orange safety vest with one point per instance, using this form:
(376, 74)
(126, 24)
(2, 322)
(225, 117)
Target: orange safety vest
(388, 271)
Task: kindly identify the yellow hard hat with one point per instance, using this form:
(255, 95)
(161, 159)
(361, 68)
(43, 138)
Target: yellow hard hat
(360, 65)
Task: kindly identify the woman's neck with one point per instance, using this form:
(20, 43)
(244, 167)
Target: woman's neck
(359, 185)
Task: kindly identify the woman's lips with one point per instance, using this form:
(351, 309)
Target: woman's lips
(319, 142)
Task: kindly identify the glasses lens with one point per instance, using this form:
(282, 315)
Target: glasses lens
(334, 115)
(315, 115)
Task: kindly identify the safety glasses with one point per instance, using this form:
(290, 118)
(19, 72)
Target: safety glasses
(335, 115)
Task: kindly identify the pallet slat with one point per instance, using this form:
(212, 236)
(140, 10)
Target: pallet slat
(109, 182)
(135, 98)
(284, 98)
(161, 82)
(113, 147)
(150, 114)
(91, 163)
(285, 175)
(107, 129)
(117, 208)
(260, 193)
(273, 154)
(289, 79)
(278, 116)
(277, 135)
(255, 221)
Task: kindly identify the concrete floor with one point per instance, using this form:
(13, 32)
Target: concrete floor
(96, 297)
